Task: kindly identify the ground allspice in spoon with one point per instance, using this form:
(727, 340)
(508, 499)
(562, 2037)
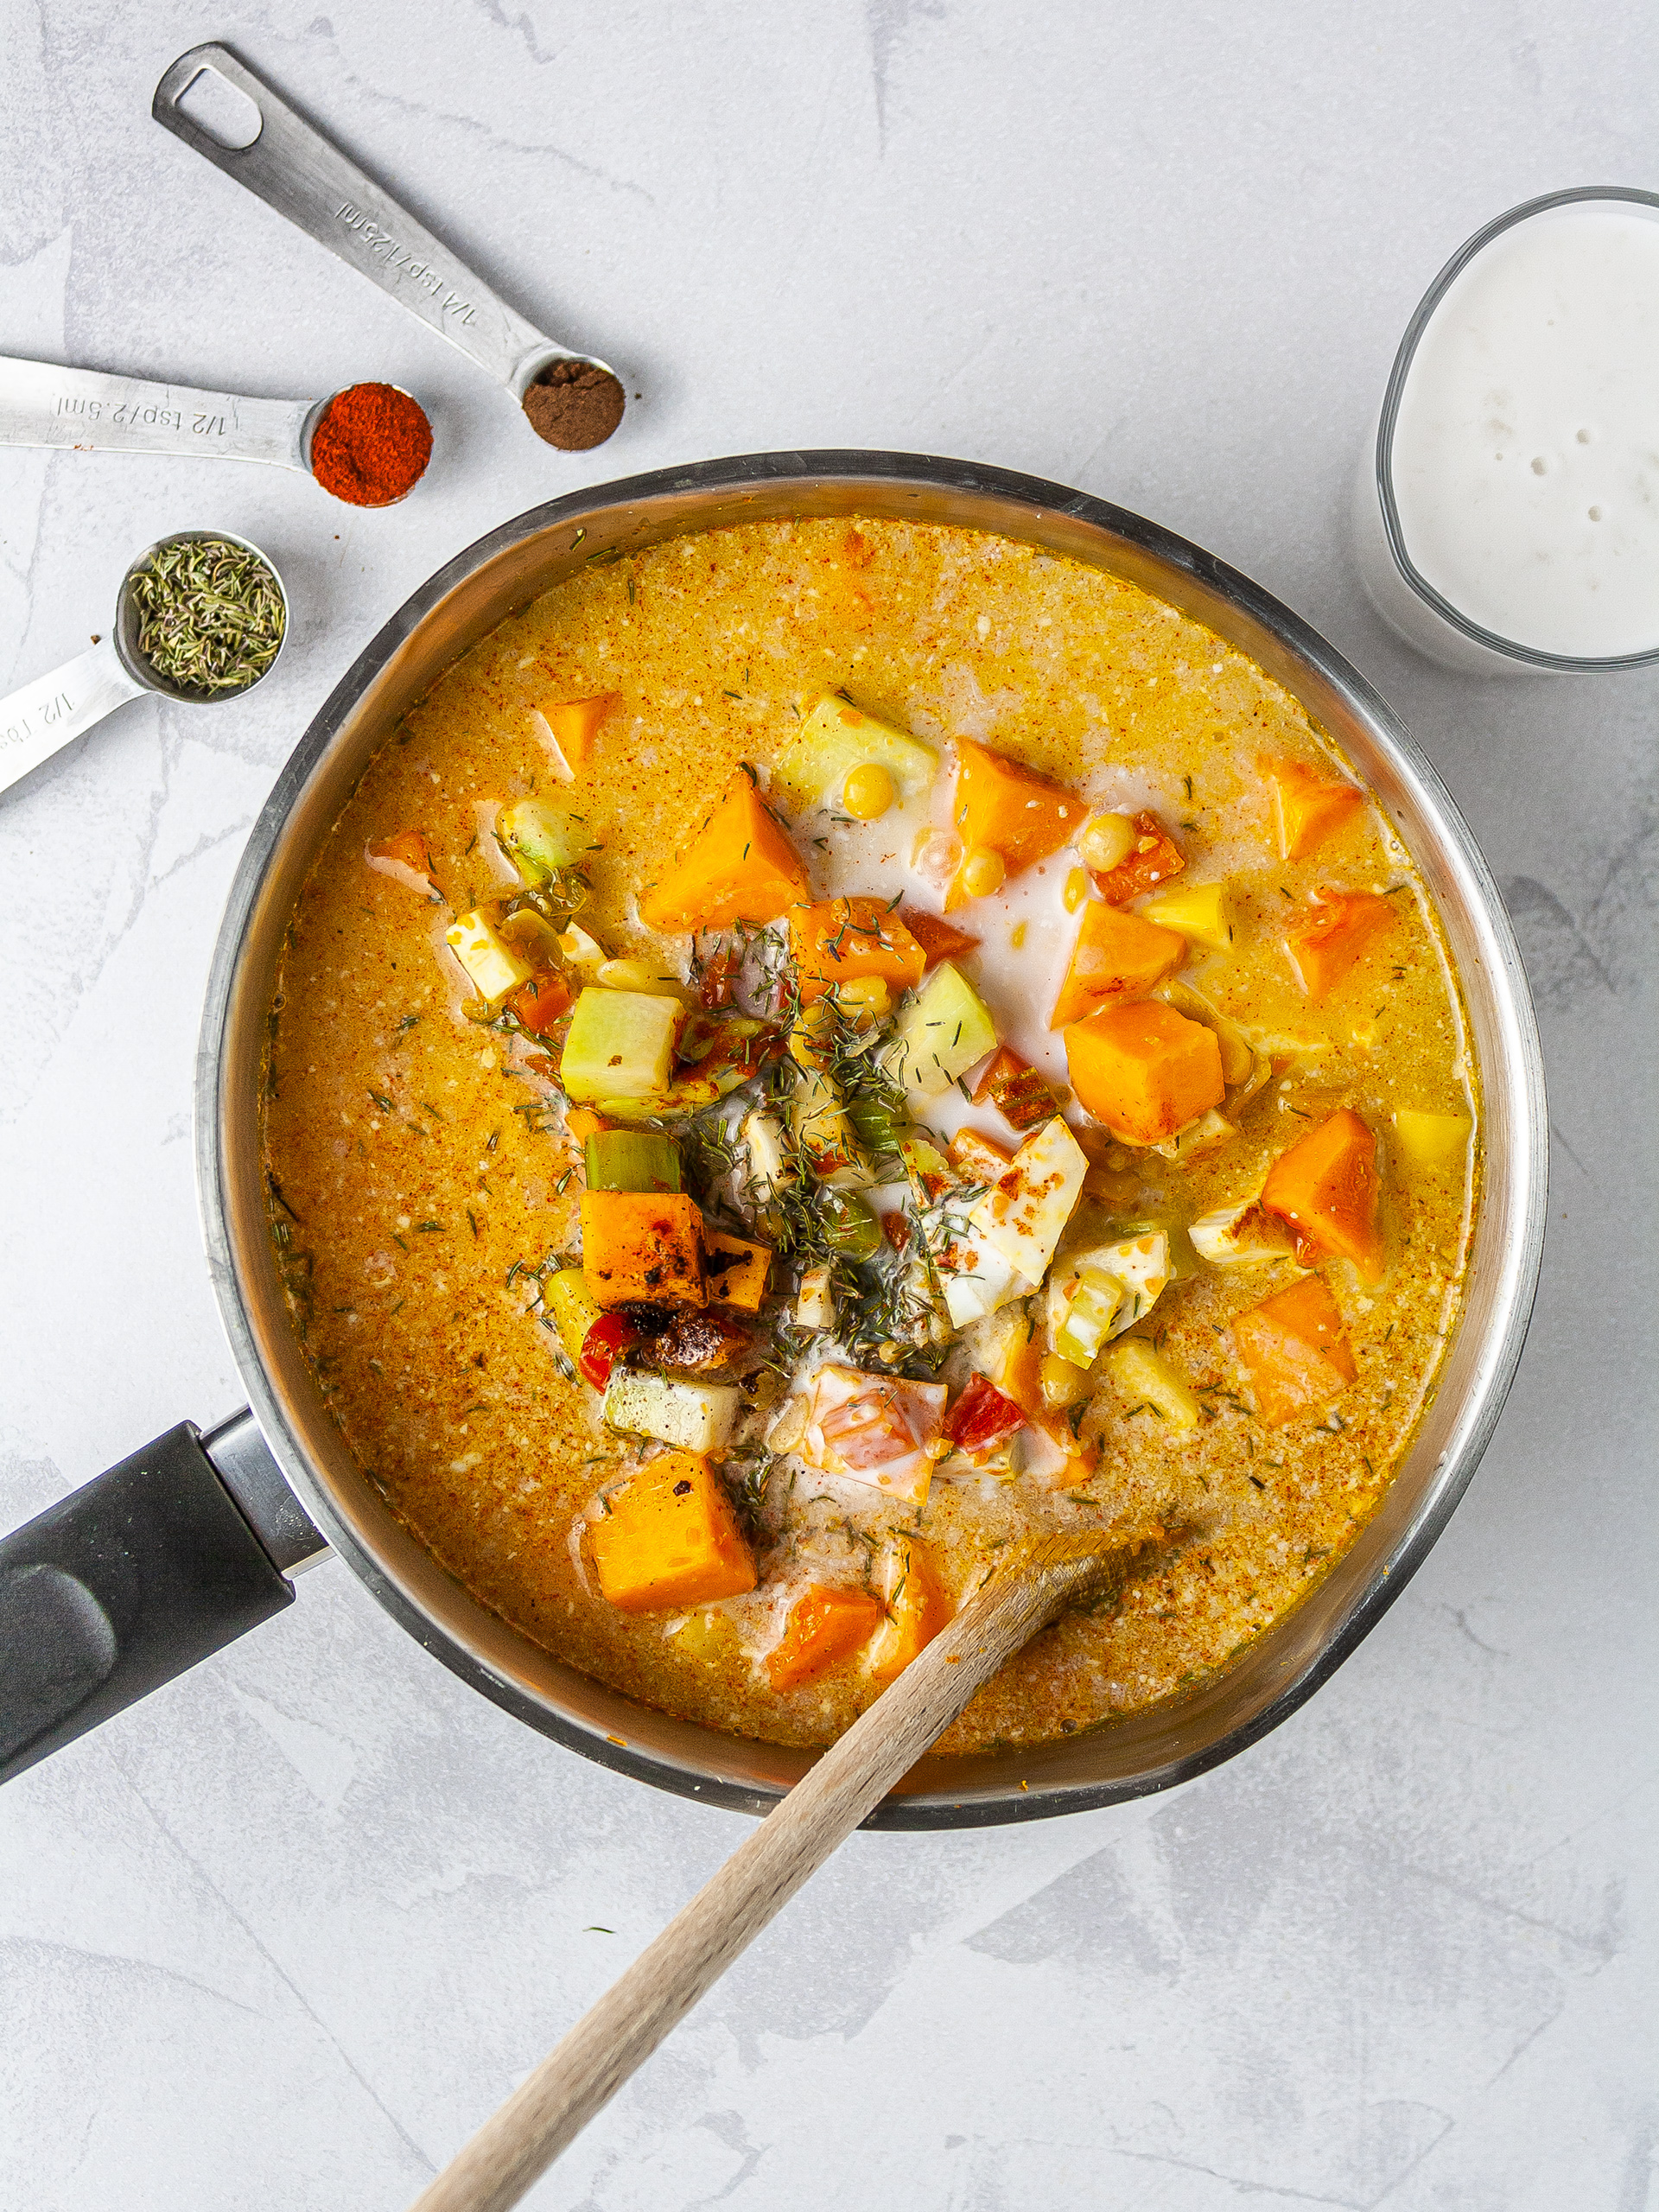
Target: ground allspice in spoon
(574, 404)
(370, 445)
(210, 615)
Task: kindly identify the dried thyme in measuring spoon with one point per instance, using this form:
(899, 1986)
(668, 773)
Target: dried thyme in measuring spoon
(209, 615)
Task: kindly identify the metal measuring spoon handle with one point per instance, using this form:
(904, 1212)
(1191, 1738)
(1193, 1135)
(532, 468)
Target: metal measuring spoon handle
(39, 719)
(42, 717)
(294, 170)
(42, 405)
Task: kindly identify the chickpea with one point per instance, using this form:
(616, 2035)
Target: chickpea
(868, 793)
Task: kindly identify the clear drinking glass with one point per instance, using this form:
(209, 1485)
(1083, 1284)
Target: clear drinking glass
(1402, 596)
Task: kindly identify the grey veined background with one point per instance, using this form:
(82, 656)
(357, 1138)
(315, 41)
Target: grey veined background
(283, 1935)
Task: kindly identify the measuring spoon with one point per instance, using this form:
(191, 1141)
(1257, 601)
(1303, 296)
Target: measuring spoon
(42, 405)
(294, 168)
(44, 716)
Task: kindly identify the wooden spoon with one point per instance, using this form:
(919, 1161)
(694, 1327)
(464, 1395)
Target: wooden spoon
(552, 2107)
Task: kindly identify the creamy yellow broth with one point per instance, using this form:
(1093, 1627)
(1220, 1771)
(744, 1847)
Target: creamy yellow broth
(424, 1177)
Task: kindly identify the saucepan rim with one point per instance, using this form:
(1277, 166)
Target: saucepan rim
(1017, 1783)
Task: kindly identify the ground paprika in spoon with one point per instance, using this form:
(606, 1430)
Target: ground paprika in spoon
(370, 445)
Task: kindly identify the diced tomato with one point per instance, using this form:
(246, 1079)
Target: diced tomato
(604, 1344)
(536, 1005)
(982, 1418)
(939, 939)
(895, 1227)
(1156, 857)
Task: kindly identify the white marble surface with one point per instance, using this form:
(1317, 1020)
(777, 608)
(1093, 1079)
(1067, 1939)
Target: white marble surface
(281, 1937)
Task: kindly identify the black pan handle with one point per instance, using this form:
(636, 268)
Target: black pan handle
(130, 1581)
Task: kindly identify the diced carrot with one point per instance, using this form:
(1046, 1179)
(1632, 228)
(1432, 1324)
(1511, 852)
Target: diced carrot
(1309, 808)
(574, 723)
(581, 1122)
(823, 1625)
(1325, 1190)
(541, 1002)
(1144, 1070)
(1001, 807)
(739, 867)
(939, 939)
(642, 1247)
(1015, 1087)
(406, 849)
(669, 1538)
(917, 1609)
(1294, 1347)
(1116, 957)
(1155, 858)
(840, 939)
(1338, 927)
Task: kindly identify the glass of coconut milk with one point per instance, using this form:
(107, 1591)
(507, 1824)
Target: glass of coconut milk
(1507, 510)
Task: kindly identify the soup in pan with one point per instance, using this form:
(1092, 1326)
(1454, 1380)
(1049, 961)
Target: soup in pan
(821, 1049)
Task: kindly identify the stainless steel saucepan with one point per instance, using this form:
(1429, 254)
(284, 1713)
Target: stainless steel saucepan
(196, 1538)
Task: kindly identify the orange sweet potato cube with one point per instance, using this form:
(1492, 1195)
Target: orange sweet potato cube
(1116, 957)
(669, 1537)
(1001, 807)
(840, 939)
(1309, 808)
(1338, 926)
(823, 1625)
(1144, 1070)
(574, 723)
(739, 867)
(916, 1608)
(1294, 1347)
(642, 1247)
(1325, 1191)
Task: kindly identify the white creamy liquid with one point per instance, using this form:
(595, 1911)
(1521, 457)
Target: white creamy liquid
(1526, 449)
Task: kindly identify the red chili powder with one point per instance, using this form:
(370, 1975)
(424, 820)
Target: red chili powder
(372, 445)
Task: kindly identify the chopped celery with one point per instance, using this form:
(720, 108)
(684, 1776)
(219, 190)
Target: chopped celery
(621, 1046)
(573, 1307)
(697, 1416)
(1090, 1312)
(493, 969)
(835, 739)
(631, 1160)
(540, 839)
(942, 1029)
(849, 1226)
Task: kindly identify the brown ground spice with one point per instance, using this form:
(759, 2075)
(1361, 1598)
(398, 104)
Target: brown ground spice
(574, 404)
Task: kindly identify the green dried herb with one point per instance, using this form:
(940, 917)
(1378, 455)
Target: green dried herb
(210, 616)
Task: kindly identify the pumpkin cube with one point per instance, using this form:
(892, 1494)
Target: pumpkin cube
(1325, 1191)
(1294, 1349)
(1308, 808)
(917, 1609)
(841, 939)
(823, 1625)
(1144, 1070)
(1330, 941)
(669, 1537)
(1001, 807)
(740, 866)
(642, 1248)
(1116, 957)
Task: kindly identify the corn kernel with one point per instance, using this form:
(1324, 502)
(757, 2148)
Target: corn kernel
(983, 872)
(863, 999)
(1107, 841)
(1077, 889)
(1017, 934)
(868, 793)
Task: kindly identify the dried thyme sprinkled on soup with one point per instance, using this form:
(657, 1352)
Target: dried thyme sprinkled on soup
(822, 1049)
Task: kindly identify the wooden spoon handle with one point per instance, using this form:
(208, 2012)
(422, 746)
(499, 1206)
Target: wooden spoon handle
(585, 2070)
